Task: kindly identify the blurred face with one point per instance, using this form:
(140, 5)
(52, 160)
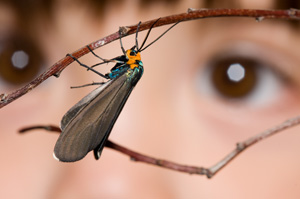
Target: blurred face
(207, 85)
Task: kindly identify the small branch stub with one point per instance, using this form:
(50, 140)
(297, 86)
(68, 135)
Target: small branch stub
(3, 97)
(123, 30)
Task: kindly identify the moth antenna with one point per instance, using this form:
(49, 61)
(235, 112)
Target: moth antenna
(139, 49)
(160, 36)
(136, 36)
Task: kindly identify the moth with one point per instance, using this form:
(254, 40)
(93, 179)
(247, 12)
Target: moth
(87, 125)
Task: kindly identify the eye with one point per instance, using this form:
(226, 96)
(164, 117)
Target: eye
(240, 78)
(132, 53)
(20, 60)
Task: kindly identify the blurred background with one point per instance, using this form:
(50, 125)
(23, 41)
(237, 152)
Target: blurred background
(207, 84)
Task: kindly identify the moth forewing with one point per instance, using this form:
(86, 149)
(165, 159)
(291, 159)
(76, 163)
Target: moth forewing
(93, 122)
(81, 104)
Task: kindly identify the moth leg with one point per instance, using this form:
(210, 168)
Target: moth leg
(104, 61)
(91, 84)
(85, 66)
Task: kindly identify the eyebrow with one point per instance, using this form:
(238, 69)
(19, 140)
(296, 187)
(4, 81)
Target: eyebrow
(276, 4)
(287, 4)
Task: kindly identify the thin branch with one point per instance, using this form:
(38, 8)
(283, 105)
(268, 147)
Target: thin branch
(209, 172)
(241, 146)
(191, 14)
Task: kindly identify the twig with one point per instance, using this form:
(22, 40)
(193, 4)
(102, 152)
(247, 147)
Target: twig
(191, 14)
(209, 172)
(241, 146)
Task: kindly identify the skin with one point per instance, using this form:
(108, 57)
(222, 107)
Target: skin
(169, 114)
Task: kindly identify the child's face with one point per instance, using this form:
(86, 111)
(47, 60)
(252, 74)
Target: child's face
(183, 109)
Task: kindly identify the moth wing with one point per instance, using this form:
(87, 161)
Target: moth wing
(93, 120)
(70, 114)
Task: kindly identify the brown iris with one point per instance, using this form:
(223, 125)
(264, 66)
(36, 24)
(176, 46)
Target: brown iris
(234, 77)
(20, 60)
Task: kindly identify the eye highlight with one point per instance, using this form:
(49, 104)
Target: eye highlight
(20, 60)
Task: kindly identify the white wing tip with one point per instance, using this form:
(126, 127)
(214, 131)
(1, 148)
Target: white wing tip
(54, 156)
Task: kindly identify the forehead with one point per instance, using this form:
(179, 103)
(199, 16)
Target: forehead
(255, 4)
